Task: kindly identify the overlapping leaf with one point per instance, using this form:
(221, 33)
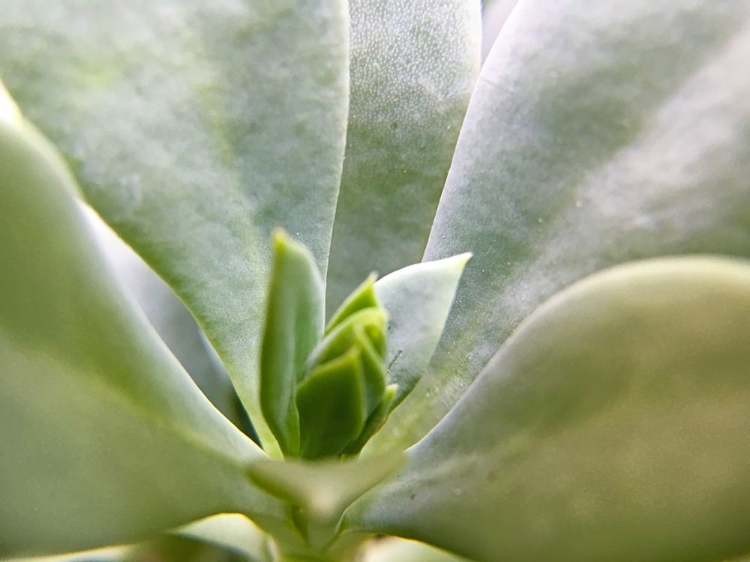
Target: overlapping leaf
(418, 299)
(103, 432)
(413, 66)
(195, 128)
(598, 134)
(612, 426)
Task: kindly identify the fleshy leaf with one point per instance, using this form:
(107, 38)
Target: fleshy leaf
(342, 337)
(494, 15)
(611, 426)
(324, 488)
(109, 554)
(597, 135)
(418, 299)
(332, 408)
(294, 325)
(413, 67)
(102, 431)
(195, 128)
(231, 531)
(398, 550)
(172, 321)
(361, 298)
(376, 419)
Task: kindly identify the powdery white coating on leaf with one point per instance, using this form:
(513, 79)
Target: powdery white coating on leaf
(611, 426)
(413, 66)
(195, 129)
(596, 136)
(494, 15)
(103, 430)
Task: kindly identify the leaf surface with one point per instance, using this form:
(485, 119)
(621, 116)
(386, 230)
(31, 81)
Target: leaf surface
(418, 299)
(597, 135)
(195, 129)
(324, 489)
(413, 66)
(105, 438)
(293, 327)
(231, 531)
(397, 550)
(611, 426)
(172, 321)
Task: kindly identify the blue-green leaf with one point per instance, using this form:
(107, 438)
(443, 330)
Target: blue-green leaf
(195, 128)
(413, 66)
(611, 426)
(598, 134)
(324, 489)
(231, 531)
(418, 299)
(104, 438)
(172, 321)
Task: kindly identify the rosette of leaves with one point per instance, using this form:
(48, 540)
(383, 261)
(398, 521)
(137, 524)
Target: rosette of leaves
(581, 395)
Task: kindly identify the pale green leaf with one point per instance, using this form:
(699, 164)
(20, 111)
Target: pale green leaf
(418, 299)
(413, 66)
(231, 531)
(324, 489)
(110, 554)
(174, 324)
(494, 15)
(611, 426)
(398, 550)
(174, 548)
(293, 327)
(195, 128)
(361, 298)
(599, 133)
(104, 437)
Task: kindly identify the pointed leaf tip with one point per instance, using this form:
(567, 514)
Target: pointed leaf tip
(324, 489)
(294, 326)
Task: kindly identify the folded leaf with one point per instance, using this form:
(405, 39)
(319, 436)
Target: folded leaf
(494, 15)
(195, 128)
(361, 298)
(418, 299)
(332, 407)
(611, 426)
(104, 438)
(398, 550)
(231, 531)
(413, 66)
(172, 321)
(293, 327)
(324, 489)
(597, 135)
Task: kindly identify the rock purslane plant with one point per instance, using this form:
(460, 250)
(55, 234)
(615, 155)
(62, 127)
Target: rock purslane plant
(574, 389)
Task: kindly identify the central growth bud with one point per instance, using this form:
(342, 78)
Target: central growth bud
(342, 398)
(324, 391)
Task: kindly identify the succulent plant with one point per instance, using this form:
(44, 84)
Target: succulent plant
(552, 361)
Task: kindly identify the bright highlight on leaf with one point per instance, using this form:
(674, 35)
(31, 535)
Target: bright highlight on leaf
(9, 112)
